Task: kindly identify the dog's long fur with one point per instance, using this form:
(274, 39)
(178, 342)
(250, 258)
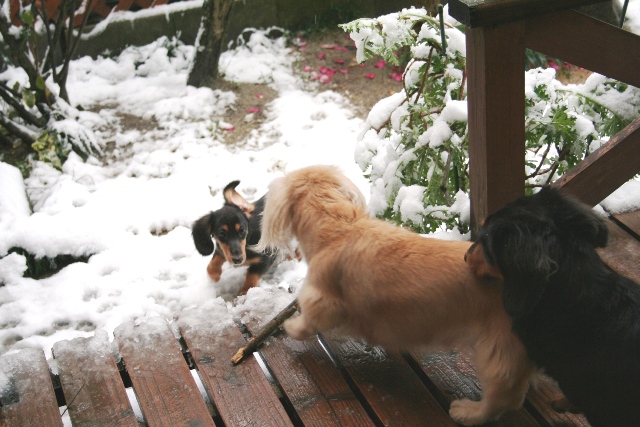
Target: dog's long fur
(392, 287)
(578, 319)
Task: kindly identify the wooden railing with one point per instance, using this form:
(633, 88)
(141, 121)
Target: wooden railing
(497, 34)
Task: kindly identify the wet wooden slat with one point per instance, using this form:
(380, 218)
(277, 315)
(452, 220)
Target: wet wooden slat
(631, 220)
(312, 383)
(166, 391)
(27, 397)
(622, 253)
(242, 394)
(91, 383)
(540, 398)
(392, 389)
(454, 376)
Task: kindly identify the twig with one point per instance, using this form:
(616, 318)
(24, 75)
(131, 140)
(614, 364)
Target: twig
(74, 398)
(265, 332)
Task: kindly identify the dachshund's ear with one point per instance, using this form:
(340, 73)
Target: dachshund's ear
(234, 198)
(201, 232)
(574, 216)
(588, 226)
(585, 224)
(523, 255)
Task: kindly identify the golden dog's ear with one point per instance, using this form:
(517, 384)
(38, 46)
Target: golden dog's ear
(234, 198)
(479, 266)
(201, 233)
(352, 193)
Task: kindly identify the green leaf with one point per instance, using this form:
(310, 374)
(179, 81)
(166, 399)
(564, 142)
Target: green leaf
(27, 17)
(40, 83)
(29, 98)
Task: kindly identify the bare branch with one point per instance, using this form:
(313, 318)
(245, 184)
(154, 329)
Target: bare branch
(18, 130)
(11, 98)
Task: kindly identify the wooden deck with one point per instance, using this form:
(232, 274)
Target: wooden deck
(330, 381)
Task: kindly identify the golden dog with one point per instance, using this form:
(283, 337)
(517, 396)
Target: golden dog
(392, 287)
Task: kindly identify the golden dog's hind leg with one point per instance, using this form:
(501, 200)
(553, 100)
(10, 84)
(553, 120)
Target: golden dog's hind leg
(318, 313)
(504, 372)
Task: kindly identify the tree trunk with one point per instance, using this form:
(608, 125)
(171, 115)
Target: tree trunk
(215, 16)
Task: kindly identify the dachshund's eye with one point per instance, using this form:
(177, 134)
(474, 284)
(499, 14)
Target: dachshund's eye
(222, 234)
(242, 231)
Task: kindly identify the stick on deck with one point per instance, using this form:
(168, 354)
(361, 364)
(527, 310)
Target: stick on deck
(265, 332)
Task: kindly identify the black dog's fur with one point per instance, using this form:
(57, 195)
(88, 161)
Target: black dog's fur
(234, 227)
(578, 319)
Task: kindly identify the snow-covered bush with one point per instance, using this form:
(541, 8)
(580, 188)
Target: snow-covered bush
(414, 147)
(34, 103)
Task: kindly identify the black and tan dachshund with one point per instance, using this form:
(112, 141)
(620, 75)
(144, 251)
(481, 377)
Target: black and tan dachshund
(578, 319)
(235, 228)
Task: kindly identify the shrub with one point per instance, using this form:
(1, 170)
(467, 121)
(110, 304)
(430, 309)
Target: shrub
(35, 106)
(414, 147)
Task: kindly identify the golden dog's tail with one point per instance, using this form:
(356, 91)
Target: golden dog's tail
(288, 193)
(276, 227)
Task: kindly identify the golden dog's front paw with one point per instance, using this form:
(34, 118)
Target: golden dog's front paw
(297, 328)
(468, 413)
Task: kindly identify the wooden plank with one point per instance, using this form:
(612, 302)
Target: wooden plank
(496, 118)
(631, 220)
(607, 168)
(26, 393)
(622, 253)
(540, 399)
(563, 35)
(242, 394)
(92, 384)
(387, 382)
(454, 376)
(166, 391)
(312, 383)
(480, 13)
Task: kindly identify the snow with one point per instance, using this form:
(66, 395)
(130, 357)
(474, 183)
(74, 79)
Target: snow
(131, 215)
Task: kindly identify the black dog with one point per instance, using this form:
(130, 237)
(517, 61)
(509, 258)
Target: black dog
(234, 227)
(578, 319)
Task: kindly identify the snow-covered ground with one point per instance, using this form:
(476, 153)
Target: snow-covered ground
(132, 215)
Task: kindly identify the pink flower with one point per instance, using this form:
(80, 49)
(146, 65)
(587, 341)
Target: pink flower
(380, 64)
(307, 69)
(321, 55)
(325, 78)
(340, 48)
(370, 76)
(327, 71)
(396, 76)
(327, 46)
(344, 70)
(553, 65)
(302, 44)
(339, 61)
(253, 109)
(259, 96)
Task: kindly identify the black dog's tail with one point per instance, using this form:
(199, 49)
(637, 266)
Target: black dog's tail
(201, 232)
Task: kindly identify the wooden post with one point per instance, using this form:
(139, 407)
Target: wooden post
(495, 72)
